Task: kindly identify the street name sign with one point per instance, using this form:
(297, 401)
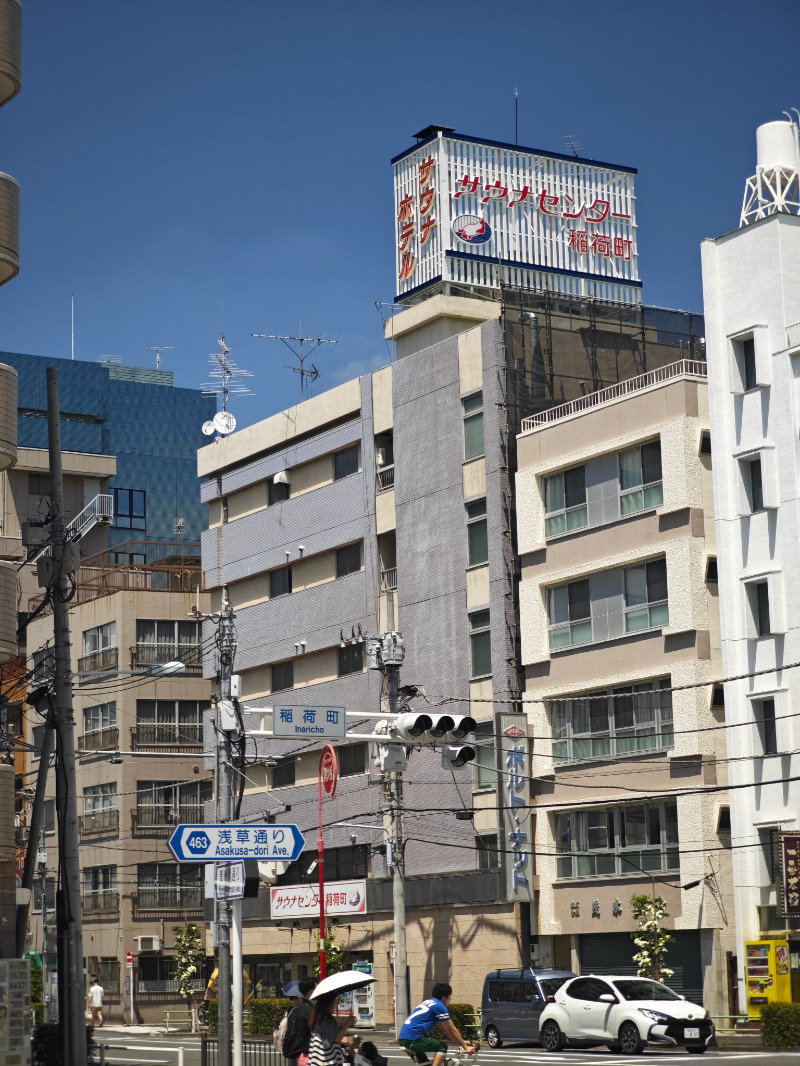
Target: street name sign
(220, 843)
(229, 880)
(309, 723)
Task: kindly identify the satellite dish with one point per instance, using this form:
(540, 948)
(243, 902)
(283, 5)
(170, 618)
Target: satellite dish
(208, 428)
(224, 423)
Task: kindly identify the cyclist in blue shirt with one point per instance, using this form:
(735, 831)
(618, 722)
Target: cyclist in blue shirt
(430, 1013)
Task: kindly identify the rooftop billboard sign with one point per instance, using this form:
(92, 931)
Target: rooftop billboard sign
(476, 212)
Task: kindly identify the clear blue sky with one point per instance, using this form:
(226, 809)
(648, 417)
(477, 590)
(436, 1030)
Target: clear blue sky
(192, 165)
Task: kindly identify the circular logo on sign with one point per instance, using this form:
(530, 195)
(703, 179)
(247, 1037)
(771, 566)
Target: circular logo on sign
(328, 771)
(354, 899)
(472, 229)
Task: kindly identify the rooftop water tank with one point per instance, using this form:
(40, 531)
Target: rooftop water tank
(8, 611)
(8, 416)
(776, 146)
(9, 227)
(10, 48)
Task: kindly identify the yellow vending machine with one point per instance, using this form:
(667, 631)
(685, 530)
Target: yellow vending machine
(768, 977)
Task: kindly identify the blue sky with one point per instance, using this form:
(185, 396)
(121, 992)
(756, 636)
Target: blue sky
(189, 166)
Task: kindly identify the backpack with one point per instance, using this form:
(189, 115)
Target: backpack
(294, 1040)
(279, 1035)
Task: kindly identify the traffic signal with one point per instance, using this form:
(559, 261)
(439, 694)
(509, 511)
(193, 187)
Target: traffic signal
(430, 730)
(411, 727)
(455, 755)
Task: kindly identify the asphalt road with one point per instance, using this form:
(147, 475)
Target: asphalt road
(132, 1050)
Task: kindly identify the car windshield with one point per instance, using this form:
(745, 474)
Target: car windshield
(645, 990)
(550, 985)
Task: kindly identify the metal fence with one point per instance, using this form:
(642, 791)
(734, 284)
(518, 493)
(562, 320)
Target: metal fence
(255, 1053)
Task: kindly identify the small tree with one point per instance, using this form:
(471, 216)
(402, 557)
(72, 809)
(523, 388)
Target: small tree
(334, 955)
(650, 938)
(189, 958)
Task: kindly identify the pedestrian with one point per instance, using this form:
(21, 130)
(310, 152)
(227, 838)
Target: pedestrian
(328, 1032)
(430, 1013)
(297, 1038)
(368, 1055)
(95, 1002)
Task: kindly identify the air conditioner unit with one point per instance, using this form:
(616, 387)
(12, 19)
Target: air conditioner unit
(380, 457)
(148, 943)
(281, 478)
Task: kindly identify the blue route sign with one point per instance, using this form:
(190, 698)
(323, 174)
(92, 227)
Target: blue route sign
(218, 843)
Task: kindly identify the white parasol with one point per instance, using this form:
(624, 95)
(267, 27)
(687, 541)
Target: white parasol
(342, 982)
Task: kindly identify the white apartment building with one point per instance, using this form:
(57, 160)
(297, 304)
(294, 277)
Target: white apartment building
(752, 302)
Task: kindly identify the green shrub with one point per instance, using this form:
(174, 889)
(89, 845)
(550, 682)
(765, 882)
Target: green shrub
(212, 1015)
(46, 1045)
(464, 1018)
(780, 1024)
(265, 1015)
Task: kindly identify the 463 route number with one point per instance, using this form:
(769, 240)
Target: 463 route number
(198, 843)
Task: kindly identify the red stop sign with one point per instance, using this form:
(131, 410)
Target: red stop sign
(328, 771)
(129, 957)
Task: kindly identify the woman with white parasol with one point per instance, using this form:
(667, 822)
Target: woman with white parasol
(328, 1031)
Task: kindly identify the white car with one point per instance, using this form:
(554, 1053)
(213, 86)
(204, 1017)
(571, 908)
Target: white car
(625, 1013)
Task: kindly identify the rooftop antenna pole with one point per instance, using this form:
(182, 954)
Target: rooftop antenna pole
(158, 349)
(72, 308)
(516, 116)
(300, 355)
(226, 381)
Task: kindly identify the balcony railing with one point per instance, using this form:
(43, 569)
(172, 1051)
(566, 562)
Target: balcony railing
(167, 899)
(389, 579)
(162, 820)
(385, 480)
(151, 736)
(146, 656)
(166, 985)
(100, 739)
(106, 659)
(101, 901)
(681, 368)
(103, 821)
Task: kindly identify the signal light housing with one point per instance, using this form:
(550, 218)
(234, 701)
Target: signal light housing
(455, 755)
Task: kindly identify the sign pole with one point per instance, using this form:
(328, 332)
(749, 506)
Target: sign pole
(328, 776)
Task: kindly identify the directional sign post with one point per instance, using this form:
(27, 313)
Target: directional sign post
(229, 880)
(222, 843)
(309, 723)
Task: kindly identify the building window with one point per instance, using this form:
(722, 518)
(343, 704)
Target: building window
(480, 641)
(277, 492)
(100, 807)
(613, 722)
(486, 846)
(764, 711)
(345, 463)
(130, 509)
(477, 533)
(160, 641)
(44, 666)
(164, 803)
(565, 501)
(473, 426)
(155, 974)
(341, 864)
(100, 888)
(755, 485)
(38, 484)
(348, 559)
(485, 766)
(100, 639)
(169, 722)
(100, 716)
(646, 604)
(748, 364)
(169, 886)
(283, 675)
(285, 773)
(618, 841)
(640, 485)
(351, 659)
(106, 970)
(569, 610)
(225, 511)
(705, 444)
(759, 601)
(280, 582)
(352, 759)
(712, 575)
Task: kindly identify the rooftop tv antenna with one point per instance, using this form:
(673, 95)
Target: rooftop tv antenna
(573, 144)
(180, 527)
(227, 381)
(301, 355)
(158, 349)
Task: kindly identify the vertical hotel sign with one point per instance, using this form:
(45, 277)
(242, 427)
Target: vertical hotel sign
(459, 199)
(790, 875)
(515, 765)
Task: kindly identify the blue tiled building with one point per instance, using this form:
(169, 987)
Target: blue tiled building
(136, 414)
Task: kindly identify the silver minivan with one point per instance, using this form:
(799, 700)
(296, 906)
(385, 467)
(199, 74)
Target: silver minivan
(513, 1000)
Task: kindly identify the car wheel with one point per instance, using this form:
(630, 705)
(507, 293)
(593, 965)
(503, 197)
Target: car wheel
(630, 1042)
(550, 1036)
(697, 1050)
(493, 1038)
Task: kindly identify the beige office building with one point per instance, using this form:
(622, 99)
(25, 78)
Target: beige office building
(620, 647)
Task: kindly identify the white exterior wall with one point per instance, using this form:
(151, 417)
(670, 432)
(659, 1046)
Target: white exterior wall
(752, 287)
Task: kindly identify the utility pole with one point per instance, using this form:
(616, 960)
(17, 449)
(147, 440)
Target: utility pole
(72, 989)
(227, 725)
(42, 857)
(35, 827)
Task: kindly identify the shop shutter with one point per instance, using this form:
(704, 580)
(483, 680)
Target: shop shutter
(612, 953)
